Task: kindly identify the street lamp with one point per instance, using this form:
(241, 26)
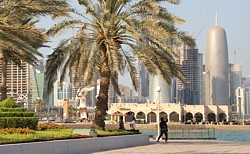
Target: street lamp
(158, 89)
(243, 114)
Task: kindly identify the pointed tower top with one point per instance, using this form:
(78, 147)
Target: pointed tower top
(216, 18)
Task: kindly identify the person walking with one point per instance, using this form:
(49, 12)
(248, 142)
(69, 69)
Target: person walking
(164, 129)
(132, 124)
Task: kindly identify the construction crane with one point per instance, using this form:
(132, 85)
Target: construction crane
(235, 50)
(195, 36)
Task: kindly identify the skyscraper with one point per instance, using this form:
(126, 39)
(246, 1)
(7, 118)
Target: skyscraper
(217, 81)
(19, 83)
(165, 93)
(144, 76)
(38, 83)
(235, 78)
(190, 61)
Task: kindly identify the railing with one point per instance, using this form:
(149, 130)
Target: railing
(192, 133)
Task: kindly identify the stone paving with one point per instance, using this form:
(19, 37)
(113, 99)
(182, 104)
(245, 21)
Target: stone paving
(186, 146)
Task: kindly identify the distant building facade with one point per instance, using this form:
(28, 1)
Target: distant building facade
(240, 102)
(19, 83)
(191, 64)
(173, 112)
(235, 81)
(164, 96)
(39, 84)
(246, 87)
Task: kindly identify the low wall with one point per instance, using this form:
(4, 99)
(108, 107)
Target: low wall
(75, 146)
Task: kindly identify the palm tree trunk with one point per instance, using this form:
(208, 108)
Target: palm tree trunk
(102, 99)
(3, 88)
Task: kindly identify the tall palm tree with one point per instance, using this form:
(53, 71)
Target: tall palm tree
(112, 36)
(19, 38)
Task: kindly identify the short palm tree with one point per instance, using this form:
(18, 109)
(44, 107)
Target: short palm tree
(39, 105)
(19, 38)
(112, 36)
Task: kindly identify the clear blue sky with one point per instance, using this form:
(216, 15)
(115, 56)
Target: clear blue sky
(233, 16)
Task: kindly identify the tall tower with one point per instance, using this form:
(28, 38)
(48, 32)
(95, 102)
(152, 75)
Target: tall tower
(144, 76)
(217, 81)
(165, 93)
(191, 64)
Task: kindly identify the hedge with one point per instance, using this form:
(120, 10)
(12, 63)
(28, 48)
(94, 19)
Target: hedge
(9, 103)
(4, 109)
(16, 114)
(19, 122)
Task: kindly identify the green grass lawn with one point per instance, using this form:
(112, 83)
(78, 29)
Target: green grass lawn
(53, 134)
(38, 136)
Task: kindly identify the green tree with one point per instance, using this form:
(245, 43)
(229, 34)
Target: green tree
(9, 103)
(39, 105)
(19, 38)
(112, 36)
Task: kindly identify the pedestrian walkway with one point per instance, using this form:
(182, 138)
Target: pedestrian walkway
(185, 146)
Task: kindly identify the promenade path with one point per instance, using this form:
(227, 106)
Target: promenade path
(186, 146)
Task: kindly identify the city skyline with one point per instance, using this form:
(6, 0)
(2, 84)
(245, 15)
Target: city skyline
(199, 16)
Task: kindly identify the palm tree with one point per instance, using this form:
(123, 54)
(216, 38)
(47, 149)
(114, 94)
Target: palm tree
(112, 36)
(19, 38)
(39, 105)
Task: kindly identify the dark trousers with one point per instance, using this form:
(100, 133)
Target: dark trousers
(165, 133)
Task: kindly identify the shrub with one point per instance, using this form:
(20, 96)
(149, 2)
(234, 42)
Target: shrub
(43, 127)
(16, 114)
(4, 109)
(9, 103)
(18, 122)
(101, 133)
(17, 131)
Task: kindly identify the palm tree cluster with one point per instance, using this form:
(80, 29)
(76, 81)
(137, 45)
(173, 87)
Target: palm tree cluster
(19, 37)
(112, 36)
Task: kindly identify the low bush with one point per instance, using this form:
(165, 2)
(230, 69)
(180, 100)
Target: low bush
(16, 131)
(101, 133)
(43, 127)
(9, 103)
(16, 114)
(19, 122)
(4, 109)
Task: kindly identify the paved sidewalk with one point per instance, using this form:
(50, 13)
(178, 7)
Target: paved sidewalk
(186, 146)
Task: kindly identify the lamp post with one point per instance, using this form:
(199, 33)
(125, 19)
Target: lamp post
(158, 89)
(243, 114)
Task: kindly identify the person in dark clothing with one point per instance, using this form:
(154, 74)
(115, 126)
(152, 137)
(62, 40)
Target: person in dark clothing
(121, 123)
(164, 129)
